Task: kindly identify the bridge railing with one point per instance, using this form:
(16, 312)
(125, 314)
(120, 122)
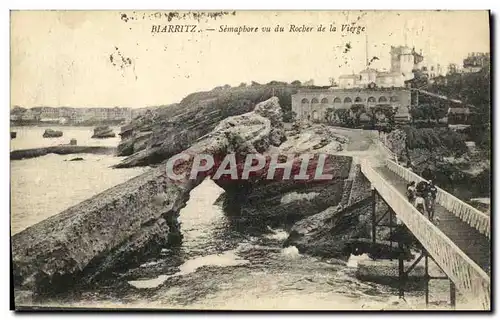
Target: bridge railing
(468, 277)
(472, 216)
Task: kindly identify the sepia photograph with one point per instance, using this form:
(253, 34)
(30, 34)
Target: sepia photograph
(250, 160)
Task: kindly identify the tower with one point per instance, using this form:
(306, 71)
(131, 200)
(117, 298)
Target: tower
(402, 61)
(366, 50)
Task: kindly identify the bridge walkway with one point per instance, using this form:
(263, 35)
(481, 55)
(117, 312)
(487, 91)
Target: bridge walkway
(474, 244)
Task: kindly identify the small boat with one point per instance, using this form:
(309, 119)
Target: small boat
(49, 133)
(13, 134)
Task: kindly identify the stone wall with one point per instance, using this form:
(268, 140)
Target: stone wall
(361, 187)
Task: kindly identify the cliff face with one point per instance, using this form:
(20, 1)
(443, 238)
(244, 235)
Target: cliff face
(176, 127)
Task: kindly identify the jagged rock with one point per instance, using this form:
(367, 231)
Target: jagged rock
(340, 231)
(176, 127)
(103, 132)
(251, 128)
(270, 109)
(49, 133)
(135, 143)
(326, 233)
(180, 129)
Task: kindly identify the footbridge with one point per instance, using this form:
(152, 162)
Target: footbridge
(458, 240)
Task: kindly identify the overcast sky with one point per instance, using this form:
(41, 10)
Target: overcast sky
(63, 58)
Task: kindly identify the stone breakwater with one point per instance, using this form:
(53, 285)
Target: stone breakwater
(64, 149)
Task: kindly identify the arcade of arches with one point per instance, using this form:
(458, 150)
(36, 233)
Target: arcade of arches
(313, 104)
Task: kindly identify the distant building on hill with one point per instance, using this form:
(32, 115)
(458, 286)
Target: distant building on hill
(371, 91)
(403, 61)
(313, 104)
(476, 61)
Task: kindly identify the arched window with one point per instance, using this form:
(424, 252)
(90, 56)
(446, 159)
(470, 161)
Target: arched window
(324, 100)
(315, 115)
(394, 99)
(347, 100)
(337, 100)
(314, 100)
(372, 99)
(358, 99)
(305, 101)
(382, 99)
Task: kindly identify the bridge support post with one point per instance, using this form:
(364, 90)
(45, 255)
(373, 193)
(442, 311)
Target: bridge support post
(453, 297)
(391, 213)
(427, 279)
(402, 274)
(374, 216)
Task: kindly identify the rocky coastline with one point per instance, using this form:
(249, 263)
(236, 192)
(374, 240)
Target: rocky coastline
(122, 226)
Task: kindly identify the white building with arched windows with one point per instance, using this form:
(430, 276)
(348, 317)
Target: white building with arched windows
(313, 104)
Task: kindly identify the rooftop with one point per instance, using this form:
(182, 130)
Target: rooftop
(333, 90)
(349, 76)
(458, 110)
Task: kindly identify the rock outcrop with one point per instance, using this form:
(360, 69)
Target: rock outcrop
(103, 132)
(50, 133)
(326, 234)
(176, 127)
(134, 144)
(122, 225)
(67, 247)
(284, 201)
(340, 231)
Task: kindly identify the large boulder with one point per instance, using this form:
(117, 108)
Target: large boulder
(103, 132)
(50, 133)
(326, 234)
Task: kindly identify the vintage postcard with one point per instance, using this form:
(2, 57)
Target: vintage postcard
(251, 160)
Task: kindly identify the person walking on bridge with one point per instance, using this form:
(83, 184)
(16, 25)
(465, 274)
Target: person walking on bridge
(410, 192)
(431, 199)
(420, 194)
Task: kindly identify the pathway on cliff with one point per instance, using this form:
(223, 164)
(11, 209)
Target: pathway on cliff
(362, 144)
